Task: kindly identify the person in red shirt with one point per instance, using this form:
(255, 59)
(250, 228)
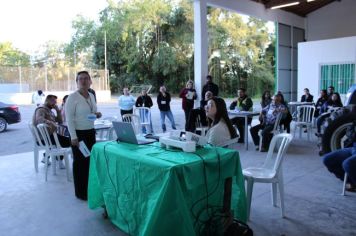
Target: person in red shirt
(188, 95)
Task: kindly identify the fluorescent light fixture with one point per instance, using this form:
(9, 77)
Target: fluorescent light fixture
(285, 5)
(310, 0)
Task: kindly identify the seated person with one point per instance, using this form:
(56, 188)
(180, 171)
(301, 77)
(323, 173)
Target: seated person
(343, 161)
(321, 100)
(44, 115)
(199, 112)
(242, 103)
(330, 104)
(287, 119)
(268, 116)
(307, 97)
(266, 99)
(221, 130)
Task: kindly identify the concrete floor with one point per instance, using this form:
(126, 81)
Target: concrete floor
(314, 206)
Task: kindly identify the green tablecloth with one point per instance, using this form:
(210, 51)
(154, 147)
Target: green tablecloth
(148, 190)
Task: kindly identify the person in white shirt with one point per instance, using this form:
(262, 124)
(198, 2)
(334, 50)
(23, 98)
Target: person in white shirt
(221, 130)
(126, 102)
(81, 111)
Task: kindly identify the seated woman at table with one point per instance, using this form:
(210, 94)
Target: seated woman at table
(324, 110)
(307, 97)
(321, 100)
(221, 130)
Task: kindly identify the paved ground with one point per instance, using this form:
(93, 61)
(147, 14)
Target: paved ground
(313, 204)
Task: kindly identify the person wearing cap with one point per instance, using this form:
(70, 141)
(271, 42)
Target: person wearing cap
(44, 114)
(81, 111)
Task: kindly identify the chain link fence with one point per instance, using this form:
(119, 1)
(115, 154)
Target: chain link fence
(49, 79)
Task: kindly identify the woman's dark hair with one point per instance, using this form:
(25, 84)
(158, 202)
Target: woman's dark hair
(64, 99)
(338, 102)
(221, 113)
(264, 94)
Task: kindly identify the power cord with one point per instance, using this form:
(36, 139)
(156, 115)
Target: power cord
(211, 226)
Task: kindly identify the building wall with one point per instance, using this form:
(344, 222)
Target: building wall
(314, 53)
(332, 21)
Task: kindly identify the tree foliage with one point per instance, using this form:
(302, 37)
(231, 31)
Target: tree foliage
(151, 41)
(10, 56)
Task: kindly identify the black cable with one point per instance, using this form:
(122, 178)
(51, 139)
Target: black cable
(208, 224)
(112, 182)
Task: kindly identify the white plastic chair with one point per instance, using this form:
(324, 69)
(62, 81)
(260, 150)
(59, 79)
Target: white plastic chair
(37, 145)
(144, 113)
(276, 129)
(134, 120)
(305, 115)
(229, 143)
(199, 127)
(270, 172)
(54, 150)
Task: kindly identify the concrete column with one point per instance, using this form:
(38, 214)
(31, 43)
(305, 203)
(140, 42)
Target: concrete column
(200, 46)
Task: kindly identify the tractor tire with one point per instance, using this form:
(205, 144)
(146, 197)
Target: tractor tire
(334, 129)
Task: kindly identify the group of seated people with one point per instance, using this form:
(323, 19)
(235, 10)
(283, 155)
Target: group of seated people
(220, 124)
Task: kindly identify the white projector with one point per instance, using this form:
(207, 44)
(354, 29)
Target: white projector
(187, 142)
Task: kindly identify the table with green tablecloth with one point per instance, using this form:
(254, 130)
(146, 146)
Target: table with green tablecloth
(148, 190)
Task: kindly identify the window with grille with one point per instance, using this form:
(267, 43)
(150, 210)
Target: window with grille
(341, 76)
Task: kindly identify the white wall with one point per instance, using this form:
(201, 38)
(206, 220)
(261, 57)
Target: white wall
(335, 20)
(312, 54)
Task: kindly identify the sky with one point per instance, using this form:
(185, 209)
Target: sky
(30, 23)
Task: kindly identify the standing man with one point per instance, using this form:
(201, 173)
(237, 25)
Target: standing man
(144, 101)
(163, 101)
(210, 86)
(242, 103)
(126, 102)
(44, 115)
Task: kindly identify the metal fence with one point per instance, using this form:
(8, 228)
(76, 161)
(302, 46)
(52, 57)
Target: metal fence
(50, 79)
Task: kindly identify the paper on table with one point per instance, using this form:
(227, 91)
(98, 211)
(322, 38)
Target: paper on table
(84, 149)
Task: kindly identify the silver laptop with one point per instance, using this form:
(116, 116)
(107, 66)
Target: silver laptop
(125, 133)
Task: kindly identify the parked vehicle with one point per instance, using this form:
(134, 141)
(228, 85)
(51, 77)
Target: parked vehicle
(9, 114)
(334, 128)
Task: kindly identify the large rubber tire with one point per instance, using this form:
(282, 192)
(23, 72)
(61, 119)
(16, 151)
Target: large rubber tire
(334, 129)
(3, 124)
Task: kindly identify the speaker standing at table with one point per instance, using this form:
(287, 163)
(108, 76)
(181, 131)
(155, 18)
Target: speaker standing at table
(81, 111)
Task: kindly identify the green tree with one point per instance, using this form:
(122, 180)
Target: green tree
(10, 56)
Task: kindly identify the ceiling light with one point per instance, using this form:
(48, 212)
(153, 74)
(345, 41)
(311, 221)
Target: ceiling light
(310, 0)
(285, 5)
